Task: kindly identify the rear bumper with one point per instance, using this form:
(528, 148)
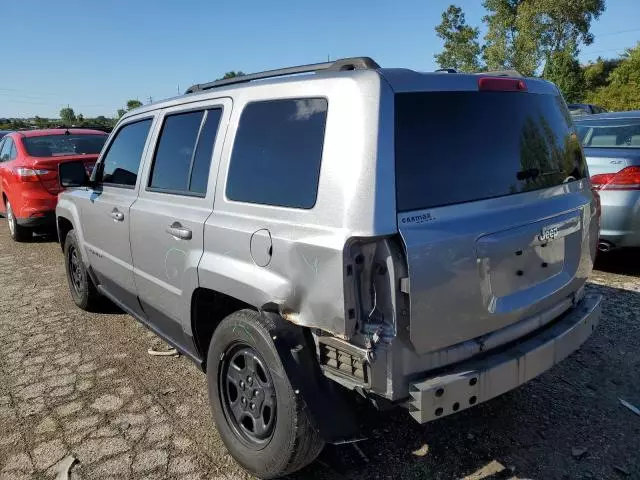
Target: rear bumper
(41, 220)
(477, 381)
(620, 222)
(32, 204)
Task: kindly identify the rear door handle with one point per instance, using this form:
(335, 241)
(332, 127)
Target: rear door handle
(178, 231)
(116, 215)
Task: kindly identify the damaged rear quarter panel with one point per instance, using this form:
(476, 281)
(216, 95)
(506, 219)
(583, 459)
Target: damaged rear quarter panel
(304, 277)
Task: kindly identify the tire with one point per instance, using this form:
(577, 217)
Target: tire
(17, 232)
(293, 441)
(82, 289)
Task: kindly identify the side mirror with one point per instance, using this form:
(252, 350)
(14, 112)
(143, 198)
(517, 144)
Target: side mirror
(73, 174)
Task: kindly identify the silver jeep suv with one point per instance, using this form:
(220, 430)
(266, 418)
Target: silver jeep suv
(422, 239)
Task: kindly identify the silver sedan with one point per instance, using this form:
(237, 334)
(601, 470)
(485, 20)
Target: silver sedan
(611, 144)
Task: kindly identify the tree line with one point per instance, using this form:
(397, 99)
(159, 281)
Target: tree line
(542, 38)
(68, 116)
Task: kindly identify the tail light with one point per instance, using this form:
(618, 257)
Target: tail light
(626, 179)
(47, 178)
(35, 175)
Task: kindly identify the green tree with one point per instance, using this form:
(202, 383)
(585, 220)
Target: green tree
(121, 112)
(67, 115)
(510, 41)
(565, 22)
(596, 74)
(461, 49)
(523, 33)
(232, 74)
(134, 103)
(40, 122)
(563, 69)
(623, 89)
(80, 118)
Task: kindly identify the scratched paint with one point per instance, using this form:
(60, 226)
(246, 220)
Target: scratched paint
(174, 263)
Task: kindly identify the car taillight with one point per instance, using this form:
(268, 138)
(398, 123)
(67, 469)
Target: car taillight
(500, 84)
(626, 179)
(35, 174)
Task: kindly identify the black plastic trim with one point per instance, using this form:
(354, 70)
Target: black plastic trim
(147, 323)
(48, 220)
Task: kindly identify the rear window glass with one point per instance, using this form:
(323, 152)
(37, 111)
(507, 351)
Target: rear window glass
(456, 147)
(610, 133)
(277, 153)
(61, 145)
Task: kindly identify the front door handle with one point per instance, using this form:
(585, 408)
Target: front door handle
(116, 215)
(178, 231)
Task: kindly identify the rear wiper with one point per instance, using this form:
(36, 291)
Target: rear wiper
(528, 173)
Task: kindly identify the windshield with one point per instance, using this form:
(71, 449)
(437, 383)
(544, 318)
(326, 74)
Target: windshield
(61, 145)
(456, 147)
(610, 133)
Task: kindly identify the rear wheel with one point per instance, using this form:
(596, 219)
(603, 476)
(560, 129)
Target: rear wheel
(82, 289)
(18, 233)
(262, 421)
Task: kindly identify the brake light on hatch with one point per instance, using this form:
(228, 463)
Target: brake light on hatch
(500, 84)
(626, 179)
(35, 175)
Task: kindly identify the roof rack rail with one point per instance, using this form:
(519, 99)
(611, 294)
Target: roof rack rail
(354, 63)
(502, 73)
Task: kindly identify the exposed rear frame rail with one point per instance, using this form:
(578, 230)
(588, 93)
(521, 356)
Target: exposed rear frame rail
(353, 63)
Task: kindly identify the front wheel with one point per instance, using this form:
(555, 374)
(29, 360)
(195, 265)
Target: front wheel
(264, 424)
(18, 233)
(82, 289)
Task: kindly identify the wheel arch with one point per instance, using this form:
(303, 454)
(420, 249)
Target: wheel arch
(64, 226)
(208, 308)
(68, 218)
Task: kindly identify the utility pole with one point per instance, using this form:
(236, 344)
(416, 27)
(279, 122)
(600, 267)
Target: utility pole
(150, 99)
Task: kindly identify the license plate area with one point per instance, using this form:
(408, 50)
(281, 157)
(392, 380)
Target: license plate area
(524, 257)
(525, 267)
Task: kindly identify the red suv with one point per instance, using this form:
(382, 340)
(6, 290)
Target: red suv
(29, 173)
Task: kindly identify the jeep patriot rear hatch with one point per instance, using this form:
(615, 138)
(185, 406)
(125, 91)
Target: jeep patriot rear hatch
(493, 204)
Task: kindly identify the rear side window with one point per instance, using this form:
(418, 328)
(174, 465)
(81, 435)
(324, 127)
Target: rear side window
(277, 153)
(610, 133)
(61, 145)
(122, 160)
(454, 147)
(183, 156)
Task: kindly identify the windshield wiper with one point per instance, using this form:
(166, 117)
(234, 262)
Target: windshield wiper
(528, 174)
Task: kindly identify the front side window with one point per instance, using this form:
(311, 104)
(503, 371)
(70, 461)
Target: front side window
(183, 156)
(277, 153)
(122, 160)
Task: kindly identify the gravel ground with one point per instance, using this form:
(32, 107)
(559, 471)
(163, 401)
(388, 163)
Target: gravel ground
(74, 383)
